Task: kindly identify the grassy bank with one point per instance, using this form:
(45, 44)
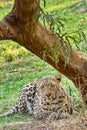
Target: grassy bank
(19, 66)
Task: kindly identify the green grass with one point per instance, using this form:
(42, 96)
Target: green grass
(19, 66)
(61, 4)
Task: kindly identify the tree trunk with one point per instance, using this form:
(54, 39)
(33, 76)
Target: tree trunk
(22, 25)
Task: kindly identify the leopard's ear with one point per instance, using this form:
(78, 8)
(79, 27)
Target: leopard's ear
(58, 77)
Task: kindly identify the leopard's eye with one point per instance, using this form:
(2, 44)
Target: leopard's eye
(52, 85)
(42, 86)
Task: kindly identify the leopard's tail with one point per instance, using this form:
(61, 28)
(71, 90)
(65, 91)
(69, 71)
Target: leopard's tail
(10, 112)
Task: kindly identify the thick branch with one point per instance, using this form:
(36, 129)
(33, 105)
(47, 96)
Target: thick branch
(76, 67)
(32, 35)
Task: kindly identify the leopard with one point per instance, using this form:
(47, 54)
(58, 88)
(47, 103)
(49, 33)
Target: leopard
(44, 98)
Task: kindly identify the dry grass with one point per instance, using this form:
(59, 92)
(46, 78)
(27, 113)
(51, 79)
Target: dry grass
(78, 123)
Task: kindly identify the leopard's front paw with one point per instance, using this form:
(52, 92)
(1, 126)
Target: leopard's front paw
(53, 116)
(64, 115)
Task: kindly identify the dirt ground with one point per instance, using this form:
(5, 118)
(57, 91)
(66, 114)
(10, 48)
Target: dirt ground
(79, 123)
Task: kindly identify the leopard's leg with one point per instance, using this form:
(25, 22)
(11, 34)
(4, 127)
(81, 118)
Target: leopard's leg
(57, 116)
(62, 113)
(25, 103)
(53, 116)
(65, 111)
(40, 114)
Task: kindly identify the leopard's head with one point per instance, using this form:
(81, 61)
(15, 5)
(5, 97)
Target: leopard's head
(50, 86)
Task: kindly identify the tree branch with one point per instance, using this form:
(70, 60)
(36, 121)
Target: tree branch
(22, 26)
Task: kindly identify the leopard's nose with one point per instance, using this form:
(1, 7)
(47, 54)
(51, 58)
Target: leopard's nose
(48, 95)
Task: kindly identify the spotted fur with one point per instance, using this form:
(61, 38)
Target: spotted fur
(45, 98)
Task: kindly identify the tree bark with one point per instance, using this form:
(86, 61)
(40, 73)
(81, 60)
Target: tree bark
(22, 25)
